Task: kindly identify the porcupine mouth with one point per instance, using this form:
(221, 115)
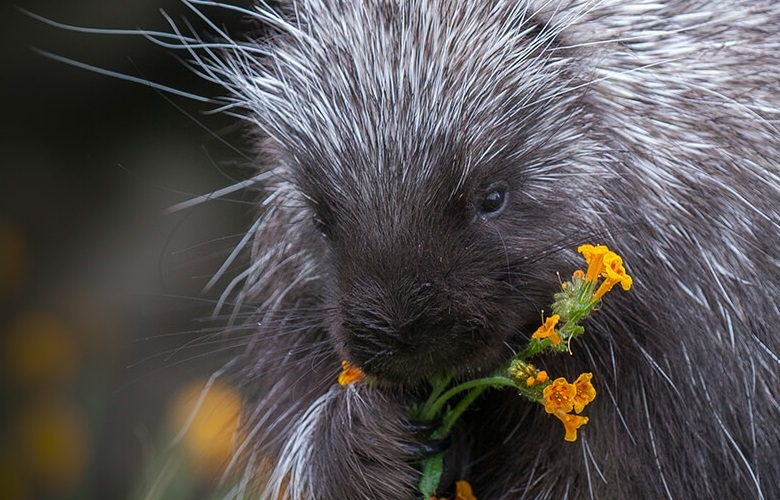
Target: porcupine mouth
(399, 368)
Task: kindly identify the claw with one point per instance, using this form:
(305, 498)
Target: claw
(420, 426)
(429, 448)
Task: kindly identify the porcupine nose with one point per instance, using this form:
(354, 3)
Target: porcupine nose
(390, 331)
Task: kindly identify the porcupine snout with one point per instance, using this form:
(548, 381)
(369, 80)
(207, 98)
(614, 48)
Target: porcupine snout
(410, 306)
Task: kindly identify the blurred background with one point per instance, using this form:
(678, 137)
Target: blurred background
(103, 344)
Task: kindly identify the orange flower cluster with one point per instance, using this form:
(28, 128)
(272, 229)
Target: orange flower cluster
(528, 372)
(602, 262)
(463, 491)
(350, 373)
(538, 378)
(547, 330)
(561, 398)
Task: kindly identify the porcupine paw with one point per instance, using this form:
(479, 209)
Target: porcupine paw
(424, 447)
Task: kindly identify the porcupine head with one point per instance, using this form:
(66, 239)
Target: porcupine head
(423, 190)
(427, 162)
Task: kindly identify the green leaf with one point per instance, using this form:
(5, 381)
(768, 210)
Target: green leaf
(431, 475)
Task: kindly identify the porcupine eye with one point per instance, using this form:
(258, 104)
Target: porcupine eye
(495, 199)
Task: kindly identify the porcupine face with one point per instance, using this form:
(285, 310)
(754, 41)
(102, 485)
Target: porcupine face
(425, 153)
(422, 278)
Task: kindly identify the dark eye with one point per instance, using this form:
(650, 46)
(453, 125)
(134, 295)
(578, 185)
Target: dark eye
(495, 199)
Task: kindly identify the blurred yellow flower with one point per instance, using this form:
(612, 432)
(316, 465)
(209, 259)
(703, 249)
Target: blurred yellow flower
(547, 330)
(559, 396)
(350, 373)
(13, 478)
(585, 391)
(53, 440)
(570, 423)
(208, 420)
(40, 350)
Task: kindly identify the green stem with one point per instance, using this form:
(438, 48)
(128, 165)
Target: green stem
(535, 346)
(439, 384)
(433, 467)
(463, 404)
(495, 381)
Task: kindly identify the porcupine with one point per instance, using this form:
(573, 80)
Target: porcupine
(429, 167)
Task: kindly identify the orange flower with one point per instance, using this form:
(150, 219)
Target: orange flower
(571, 423)
(540, 378)
(526, 371)
(349, 373)
(547, 330)
(594, 256)
(463, 491)
(613, 273)
(559, 396)
(585, 392)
